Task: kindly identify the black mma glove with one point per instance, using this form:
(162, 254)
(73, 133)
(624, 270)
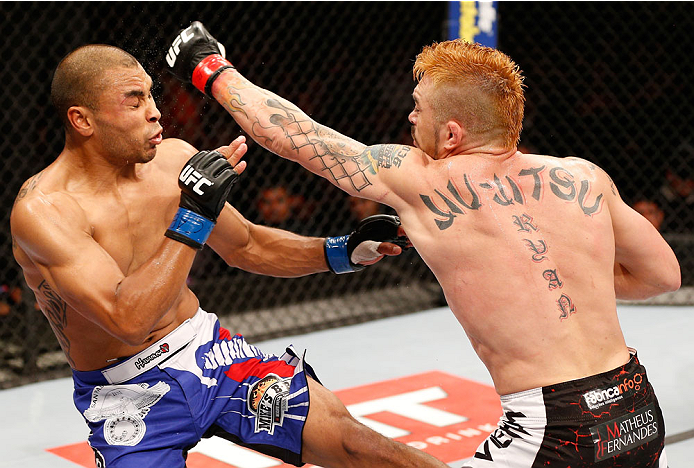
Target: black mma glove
(205, 182)
(195, 56)
(340, 251)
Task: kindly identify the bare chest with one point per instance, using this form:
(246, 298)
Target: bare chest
(130, 227)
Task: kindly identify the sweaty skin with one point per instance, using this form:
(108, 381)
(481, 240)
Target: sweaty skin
(88, 232)
(531, 250)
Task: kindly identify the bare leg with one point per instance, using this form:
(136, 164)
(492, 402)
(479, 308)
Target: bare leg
(332, 438)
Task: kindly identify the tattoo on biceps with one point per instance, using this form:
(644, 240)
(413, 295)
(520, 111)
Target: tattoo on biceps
(55, 309)
(387, 156)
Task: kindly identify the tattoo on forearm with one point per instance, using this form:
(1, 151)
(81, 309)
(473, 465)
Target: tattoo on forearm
(318, 143)
(55, 309)
(508, 191)
(233, 103)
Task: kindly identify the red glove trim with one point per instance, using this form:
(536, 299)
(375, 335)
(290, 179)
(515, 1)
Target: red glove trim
(207, 67)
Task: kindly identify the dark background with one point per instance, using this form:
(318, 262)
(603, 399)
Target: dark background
(608, 82)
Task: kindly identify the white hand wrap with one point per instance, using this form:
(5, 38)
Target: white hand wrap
(365, 252)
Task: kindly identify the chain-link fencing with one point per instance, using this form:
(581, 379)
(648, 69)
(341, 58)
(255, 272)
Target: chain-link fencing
(609, 82)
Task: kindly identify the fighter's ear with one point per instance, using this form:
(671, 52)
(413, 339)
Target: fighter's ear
(454, 134)
(81, 119)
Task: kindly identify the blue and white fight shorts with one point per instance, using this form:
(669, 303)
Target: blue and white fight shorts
(198, 381)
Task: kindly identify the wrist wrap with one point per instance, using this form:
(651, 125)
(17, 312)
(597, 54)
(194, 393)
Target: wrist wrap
(337, 256)
(190, 228)
(208, 70)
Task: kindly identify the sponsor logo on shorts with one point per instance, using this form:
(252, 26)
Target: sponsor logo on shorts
(502, 437)
(142, 362)
(267, 400)
(625, 433)
(123, 409)
(604, 396)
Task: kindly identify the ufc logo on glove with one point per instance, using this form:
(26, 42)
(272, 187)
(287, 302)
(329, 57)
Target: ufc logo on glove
(173, 52)
(190, 176)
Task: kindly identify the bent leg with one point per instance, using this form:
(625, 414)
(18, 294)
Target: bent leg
(333, 438)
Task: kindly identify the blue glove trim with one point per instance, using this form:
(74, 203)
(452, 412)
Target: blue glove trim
(337, 256)
(191, 225)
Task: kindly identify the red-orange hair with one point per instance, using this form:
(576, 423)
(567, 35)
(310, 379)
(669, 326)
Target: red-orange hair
(480, 86)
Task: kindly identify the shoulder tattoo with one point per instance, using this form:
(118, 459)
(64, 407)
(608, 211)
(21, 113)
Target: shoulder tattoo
(28, 186)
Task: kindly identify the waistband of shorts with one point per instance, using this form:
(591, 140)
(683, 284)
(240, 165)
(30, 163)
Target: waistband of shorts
(586, 383)
(146, 359)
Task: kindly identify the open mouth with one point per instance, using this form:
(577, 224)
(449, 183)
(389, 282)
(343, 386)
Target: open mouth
(156, 139)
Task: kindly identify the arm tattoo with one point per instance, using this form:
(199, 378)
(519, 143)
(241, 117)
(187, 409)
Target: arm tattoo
(28, 186)
(55, 309)
(234, 103)
(342, 161)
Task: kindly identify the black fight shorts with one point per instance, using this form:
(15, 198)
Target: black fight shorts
(607, 420)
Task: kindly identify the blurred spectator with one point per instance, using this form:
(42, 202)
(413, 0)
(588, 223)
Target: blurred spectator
(10, 296)
(651, 211)
(275, 205)
(278, 207)
(11, 280)
(677, 191)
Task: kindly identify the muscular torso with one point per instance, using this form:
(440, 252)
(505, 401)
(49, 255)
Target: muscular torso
(129, 224)
(524, 250)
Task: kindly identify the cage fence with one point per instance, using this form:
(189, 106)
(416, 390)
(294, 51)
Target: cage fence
(608, 82)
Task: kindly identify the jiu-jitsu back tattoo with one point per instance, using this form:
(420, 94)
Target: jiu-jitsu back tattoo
(463, 195)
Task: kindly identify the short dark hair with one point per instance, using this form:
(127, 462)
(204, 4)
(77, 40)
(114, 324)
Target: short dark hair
(78, 79)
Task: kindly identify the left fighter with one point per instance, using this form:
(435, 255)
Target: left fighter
(106, 236)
